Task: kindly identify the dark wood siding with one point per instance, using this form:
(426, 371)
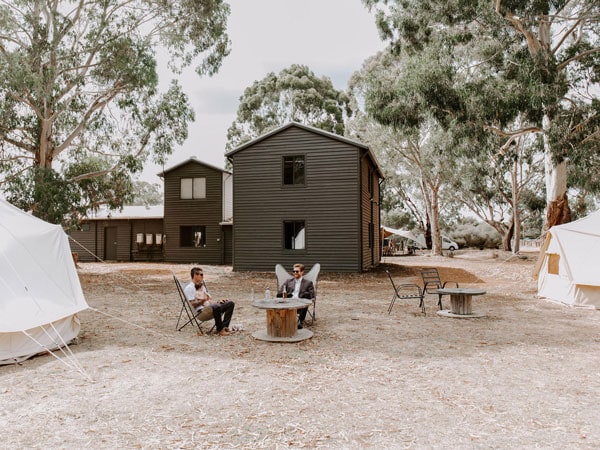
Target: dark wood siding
(207, 212)
(90, 245)
(84, 243)
(371, 244)
(329, 203)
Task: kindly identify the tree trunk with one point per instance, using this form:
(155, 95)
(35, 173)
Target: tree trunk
(557, 204)
(436, 238)
(508, 236)
(516, 220)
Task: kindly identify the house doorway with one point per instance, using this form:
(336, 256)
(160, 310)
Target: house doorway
(110, 243)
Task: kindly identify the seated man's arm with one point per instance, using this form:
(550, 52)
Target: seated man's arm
(190, 295)
(282, 288)
(309, 292)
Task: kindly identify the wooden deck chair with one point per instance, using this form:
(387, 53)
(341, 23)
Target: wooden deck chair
(432, 282)
(406, 291)
(196, 318)
(312, 275)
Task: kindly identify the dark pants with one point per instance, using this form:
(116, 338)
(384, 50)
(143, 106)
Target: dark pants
(302, 314)
(222, 313)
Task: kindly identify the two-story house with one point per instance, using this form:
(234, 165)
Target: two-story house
(301, 194)
(197, 213)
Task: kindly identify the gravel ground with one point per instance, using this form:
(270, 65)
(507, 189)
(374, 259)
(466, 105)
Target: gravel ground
(523, 376)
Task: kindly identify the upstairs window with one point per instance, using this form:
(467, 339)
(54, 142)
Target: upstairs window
(194, 236)
(294, 235)
(293, 170)
(193, 188)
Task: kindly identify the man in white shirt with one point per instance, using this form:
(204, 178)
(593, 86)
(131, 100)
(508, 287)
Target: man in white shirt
(222, 310)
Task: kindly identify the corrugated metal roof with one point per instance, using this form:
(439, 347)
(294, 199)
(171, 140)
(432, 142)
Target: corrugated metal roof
(130, 212)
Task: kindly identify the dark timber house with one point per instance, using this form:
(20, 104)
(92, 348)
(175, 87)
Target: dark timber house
(198, 213)
(301, 194)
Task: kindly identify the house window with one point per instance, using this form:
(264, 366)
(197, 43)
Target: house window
(294, 235)
(192, 188)
(293, 169)
(192, 236)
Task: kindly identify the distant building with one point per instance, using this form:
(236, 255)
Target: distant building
(133, 234)
(301, 194)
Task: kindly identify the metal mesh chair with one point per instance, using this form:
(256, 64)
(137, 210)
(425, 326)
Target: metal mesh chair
(432, 282)
(406, 291)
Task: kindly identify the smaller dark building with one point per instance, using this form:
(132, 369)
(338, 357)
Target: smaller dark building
(133, 234)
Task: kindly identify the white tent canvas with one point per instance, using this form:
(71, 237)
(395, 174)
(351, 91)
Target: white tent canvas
(40, 293)
(568, 269)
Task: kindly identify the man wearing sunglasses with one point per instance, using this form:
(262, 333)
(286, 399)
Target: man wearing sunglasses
(298, 287)
(222, 310)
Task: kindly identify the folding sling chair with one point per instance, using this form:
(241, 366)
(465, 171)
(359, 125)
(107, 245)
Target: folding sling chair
(194, 317)
(313, 275)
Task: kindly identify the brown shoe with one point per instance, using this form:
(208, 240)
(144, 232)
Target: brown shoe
(224, 332)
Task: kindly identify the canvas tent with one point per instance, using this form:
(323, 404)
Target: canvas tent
(40, 293)
(568, 268)
(387, 231)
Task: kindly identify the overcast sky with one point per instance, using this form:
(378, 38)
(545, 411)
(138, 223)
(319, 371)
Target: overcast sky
(331, 37)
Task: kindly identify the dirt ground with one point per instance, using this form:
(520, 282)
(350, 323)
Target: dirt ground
(523, 376)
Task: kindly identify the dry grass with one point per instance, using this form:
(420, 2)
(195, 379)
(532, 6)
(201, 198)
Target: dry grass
(524, 376)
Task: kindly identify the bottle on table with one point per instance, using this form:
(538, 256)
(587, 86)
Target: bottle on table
(268, 294)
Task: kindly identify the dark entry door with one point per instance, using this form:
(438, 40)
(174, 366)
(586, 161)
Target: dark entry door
(110, 243)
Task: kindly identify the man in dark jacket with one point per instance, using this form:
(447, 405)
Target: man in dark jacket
(298, 287)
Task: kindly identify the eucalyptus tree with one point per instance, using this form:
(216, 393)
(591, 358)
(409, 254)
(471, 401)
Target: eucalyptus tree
(547, 50)
(294, 94)
(78, 81)
(397, 91)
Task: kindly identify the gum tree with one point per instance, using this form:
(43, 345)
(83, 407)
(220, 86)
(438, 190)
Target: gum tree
(294, 94)
(78, 82)
(549, 50)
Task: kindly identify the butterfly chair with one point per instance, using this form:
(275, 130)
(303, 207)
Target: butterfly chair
(406, 291)
(196, 318)
(312, 275)
(432, 282)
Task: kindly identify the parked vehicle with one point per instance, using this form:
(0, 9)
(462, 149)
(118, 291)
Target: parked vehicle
(447, 243)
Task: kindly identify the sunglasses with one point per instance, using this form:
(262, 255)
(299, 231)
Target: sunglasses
(296, 271)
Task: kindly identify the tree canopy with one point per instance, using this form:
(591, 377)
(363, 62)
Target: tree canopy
(527, 68)
(295, 94)
(78, 80)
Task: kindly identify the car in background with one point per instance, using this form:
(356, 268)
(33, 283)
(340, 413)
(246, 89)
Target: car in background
(449, 244)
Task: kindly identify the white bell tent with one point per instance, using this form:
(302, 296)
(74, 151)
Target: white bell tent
(568, 268)
(40, 293)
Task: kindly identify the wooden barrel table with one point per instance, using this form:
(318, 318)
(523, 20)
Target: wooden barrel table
(282, 320)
